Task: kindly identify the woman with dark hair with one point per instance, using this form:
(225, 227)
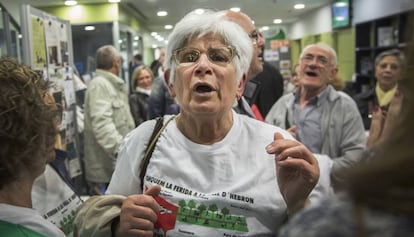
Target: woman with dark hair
(388, 67)
(26, 125)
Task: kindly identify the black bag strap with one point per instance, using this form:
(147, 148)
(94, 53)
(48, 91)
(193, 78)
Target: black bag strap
(158, 128)
(287, 124)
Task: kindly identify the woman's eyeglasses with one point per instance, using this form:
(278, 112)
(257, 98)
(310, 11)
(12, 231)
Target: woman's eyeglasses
(220, 56)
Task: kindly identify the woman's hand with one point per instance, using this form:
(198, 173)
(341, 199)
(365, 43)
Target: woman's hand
(139, 214)
(297, 171)
(292, 131)
(382, 124)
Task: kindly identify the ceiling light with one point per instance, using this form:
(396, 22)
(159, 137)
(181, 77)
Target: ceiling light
(199, 11)
(154, 33)
(168, 27)
(70, 2)
(277, 21)
(114, 1)
(89, 28)
(341, 4)
(299, 6)
(264, 28)
(162, 13)
(235, 9)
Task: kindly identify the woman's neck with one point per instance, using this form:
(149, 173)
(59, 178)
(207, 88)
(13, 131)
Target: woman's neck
(386, 88)
(18, 193)
(206, 130)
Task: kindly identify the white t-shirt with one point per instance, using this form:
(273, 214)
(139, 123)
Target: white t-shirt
(228, 188)
(55, 200)
(28, 218)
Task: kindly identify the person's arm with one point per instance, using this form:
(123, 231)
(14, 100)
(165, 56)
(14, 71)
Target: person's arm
(137, 103)
(138, 215)
(138, 211)
(133, 104)
(280, 115)
(297, 171)
(352, 141)
(110, 214)
(156, 101)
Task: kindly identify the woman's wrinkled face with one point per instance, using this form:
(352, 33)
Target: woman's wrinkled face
(388, 72)
(205, 79)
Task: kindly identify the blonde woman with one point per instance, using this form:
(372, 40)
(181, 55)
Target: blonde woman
(142, 78)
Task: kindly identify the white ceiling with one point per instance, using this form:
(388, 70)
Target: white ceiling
(263, 12)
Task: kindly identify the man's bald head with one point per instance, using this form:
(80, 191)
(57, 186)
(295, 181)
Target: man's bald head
(243, 20)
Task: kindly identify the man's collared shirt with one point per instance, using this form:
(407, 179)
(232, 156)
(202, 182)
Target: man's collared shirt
(308, 120)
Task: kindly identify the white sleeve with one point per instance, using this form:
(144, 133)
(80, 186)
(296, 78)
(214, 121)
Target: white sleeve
(125, 179)
(323, 188)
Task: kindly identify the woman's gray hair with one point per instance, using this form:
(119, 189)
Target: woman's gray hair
(210, 22)
(391, 52)
(105, 56)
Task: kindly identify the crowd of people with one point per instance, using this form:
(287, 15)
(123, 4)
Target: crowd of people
(184, 149)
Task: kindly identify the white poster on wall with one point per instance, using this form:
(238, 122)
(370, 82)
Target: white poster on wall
(271, 55)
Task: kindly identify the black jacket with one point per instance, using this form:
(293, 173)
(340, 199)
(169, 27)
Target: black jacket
(270, 88)
(139, 107)
(366, 102)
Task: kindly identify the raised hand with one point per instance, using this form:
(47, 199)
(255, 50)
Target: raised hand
(383, 123)
(297, 171)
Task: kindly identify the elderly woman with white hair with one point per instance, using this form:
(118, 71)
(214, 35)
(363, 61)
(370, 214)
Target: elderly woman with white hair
(212, 172)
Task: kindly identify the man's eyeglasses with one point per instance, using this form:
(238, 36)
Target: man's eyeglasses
(254, 35)
(320, 60)
(220, 56)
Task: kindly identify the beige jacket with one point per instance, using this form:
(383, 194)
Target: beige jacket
(107, 120)
(102, 210)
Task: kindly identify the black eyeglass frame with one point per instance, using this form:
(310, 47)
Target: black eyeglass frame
(254, 35)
